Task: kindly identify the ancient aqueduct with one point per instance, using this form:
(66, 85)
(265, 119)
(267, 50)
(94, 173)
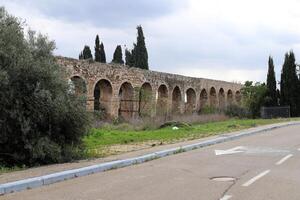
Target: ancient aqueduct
(132, 92)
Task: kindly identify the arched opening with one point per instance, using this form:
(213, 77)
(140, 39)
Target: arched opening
(238, 97)
(126, 107)
(221, 98)
(162, 100)
(203, 99)
(190, 101)
(77, 86)
(102, 96)
(176, 100)
(229, 97)
(213, 97)
(145, 100)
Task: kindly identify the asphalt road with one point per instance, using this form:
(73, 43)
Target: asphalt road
(262, 166)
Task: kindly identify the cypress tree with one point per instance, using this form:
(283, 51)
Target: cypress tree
(102, 54)
(97, 49)
(129, 57)
(118, 56)
(140, 50)
(289, 84)
(86, 53)
(271, 84)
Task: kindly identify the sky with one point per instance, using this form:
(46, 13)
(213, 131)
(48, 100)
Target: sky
(219, 39)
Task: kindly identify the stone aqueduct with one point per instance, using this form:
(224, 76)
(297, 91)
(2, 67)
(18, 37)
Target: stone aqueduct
(132, 92)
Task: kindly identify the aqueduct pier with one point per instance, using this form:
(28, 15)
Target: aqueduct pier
(131, 92)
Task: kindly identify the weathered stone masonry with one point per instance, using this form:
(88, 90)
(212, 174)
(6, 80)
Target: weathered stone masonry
(133, 92)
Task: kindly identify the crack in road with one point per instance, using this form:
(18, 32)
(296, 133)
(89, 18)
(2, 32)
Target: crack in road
(233, 183)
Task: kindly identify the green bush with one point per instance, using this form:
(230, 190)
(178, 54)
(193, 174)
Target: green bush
(237, 111)
(40, 120)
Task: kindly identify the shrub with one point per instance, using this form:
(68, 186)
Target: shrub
(40, 120)
(236, 111)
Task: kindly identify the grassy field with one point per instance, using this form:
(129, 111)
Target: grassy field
(99, 141)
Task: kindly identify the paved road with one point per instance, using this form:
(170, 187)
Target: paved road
(264, 166)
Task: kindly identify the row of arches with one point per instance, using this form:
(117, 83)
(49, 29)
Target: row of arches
(132, 103)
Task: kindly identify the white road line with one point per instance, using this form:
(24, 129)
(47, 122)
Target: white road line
(284, 159)
(248, 183)
(226, 197)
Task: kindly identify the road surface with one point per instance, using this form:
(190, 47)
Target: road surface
(262, 166)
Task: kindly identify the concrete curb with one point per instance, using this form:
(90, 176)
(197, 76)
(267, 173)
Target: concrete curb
(69, 174)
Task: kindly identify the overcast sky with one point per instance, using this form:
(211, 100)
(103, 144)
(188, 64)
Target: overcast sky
(220, 39)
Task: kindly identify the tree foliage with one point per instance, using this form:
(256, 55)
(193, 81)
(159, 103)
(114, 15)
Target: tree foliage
(138, 56)
(102, 53)
(118, 55)
(254, 97)
(86, 53)
(40, 121)
(271, 99)
(289, 85)
(141, 54)
(97, 49)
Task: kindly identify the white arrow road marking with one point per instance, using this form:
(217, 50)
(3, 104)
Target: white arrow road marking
(284, 159)
(248, 183)
(238, 149)
(226, 197)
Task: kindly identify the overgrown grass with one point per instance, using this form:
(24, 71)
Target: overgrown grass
(10, 169)
(99, 139)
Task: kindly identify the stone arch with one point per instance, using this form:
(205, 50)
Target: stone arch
(229, 97)
(203, 99)
(213, 97)
(126, 101)
(176, 100)
(238, 97)
(145, 100)
(102, 95)
(190, 100)
(78, 85)
(162, 100)
(221, 96)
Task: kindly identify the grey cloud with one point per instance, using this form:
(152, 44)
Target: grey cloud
(106, 13)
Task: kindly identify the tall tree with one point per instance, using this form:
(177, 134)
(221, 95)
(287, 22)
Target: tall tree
(271, 85)
(102, 53)
(97, 49)
(289, 84)
(140, 50)
(86, 53)
(118, 56)
(128, 58)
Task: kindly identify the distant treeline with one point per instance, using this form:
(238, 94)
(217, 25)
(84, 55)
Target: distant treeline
(136, 57)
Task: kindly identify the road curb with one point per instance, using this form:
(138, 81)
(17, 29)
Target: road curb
(70, 174)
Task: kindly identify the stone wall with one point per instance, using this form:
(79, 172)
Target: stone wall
(132, 92)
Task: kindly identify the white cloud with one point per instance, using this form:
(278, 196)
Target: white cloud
(229, 40)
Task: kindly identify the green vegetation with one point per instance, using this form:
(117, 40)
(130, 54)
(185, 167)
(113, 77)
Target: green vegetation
(102, 53)
(41, 120)
(254, 96)
(271, 95)
(86, 53)
(118, 56)
(99, 139)
(97, 49)
(290, 85)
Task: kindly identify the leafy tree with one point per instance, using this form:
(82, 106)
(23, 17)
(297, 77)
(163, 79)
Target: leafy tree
(289, 85)
(118, 56)
(97, 49)
(129, 58)
(102, 54)
(86, 53)
(40, 121)
(254, 97)
(271, 99)
(141, 54)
